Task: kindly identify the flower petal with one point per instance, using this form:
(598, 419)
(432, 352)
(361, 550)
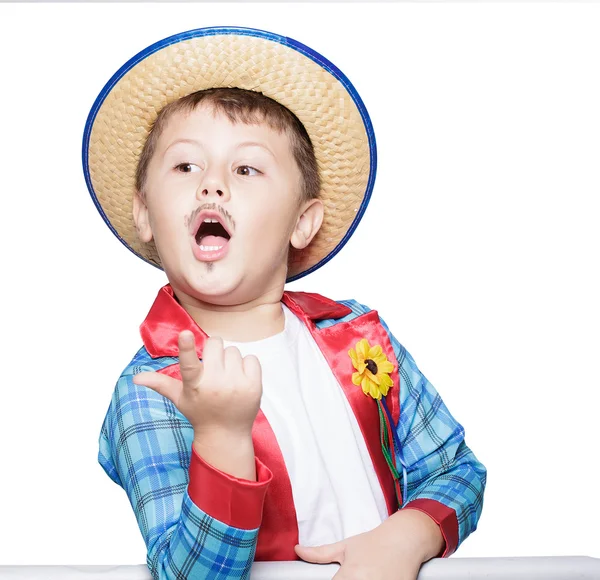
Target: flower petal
(362, 348)
(386, 381)
(354, 357)
(375, 378)
(385, 366)
(375, 351)
(375, 393)
(384, 389)
(357, 378)
(366, 385)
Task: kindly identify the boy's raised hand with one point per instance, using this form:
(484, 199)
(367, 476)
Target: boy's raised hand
(220, 396)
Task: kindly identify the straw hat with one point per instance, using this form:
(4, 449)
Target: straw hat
(296, 76)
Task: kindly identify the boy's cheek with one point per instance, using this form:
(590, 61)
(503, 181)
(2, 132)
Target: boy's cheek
(169, 239)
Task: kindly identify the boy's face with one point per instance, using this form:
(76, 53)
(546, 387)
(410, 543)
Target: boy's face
(205, 167)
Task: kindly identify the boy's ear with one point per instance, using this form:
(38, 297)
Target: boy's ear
(308, 224)
(140, 217)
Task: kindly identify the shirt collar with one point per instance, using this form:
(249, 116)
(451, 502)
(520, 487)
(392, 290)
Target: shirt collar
(167, 318)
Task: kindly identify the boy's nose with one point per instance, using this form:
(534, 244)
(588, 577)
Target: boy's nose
(213, 183)
(207, 191)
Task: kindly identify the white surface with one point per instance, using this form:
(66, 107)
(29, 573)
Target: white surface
(479, 248)
(558, 568)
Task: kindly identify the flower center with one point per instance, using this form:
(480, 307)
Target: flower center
(371, 366)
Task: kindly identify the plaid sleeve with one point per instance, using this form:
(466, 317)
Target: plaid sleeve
(145, 447)
(443, 477)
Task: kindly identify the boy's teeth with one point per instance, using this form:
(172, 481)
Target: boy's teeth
(210, 221)
(210, 248)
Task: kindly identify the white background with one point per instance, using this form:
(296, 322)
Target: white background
(479, 248)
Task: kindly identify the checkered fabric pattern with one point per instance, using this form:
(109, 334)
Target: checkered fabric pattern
(145, 447)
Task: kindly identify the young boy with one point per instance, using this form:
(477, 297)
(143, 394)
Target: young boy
(256, 423)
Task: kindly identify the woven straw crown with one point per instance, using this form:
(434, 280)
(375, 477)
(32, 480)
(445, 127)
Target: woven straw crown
(292, 74)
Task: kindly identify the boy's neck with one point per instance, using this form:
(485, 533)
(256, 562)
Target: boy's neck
(255, 320)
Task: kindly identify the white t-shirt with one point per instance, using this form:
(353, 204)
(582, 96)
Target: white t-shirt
(334, 485)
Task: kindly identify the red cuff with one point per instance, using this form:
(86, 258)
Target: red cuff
(444, 517)
(234, 501)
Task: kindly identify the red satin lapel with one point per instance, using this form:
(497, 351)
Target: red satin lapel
(335, 342)
(381, 337)
(309, 307)
(279, 531)
(166, 319)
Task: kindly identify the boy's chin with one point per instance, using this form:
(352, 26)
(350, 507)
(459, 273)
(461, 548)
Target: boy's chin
(222, 284)
(213, 287)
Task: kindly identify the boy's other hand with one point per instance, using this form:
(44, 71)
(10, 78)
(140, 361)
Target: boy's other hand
(394, 550)
(364, 557)
(219, 396)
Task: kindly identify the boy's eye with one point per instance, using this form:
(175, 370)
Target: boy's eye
(246, 170)
(187, 167)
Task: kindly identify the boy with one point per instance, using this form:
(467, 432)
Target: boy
(256, 423)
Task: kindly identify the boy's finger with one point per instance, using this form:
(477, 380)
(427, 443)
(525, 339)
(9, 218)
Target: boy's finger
(166, 386)
(213, 353)
(232, 357)
(252, 368)
(189, 364)
(325, 554)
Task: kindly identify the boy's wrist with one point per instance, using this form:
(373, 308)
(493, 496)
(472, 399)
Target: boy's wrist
(231, 453)
(416, 532)
(443, 516)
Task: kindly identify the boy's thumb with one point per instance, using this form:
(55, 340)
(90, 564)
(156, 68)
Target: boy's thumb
(162, 384)
(325, 554)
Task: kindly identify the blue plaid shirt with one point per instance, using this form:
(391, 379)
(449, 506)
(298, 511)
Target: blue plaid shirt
(145, 447)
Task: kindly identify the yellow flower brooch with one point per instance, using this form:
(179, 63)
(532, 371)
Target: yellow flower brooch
(372, 374)
(372, 368)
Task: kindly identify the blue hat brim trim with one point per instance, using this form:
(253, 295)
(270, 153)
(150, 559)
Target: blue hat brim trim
(220, 30)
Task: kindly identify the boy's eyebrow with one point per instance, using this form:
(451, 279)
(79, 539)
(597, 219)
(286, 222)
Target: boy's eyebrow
(192, 141)
(256, 144)
(240, 145)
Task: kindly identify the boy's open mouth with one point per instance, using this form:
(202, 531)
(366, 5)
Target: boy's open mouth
(211, 235)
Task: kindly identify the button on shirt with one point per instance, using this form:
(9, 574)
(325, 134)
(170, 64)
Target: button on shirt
(334, 485)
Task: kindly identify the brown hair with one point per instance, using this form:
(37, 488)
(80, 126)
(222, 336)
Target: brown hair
(248, 107)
